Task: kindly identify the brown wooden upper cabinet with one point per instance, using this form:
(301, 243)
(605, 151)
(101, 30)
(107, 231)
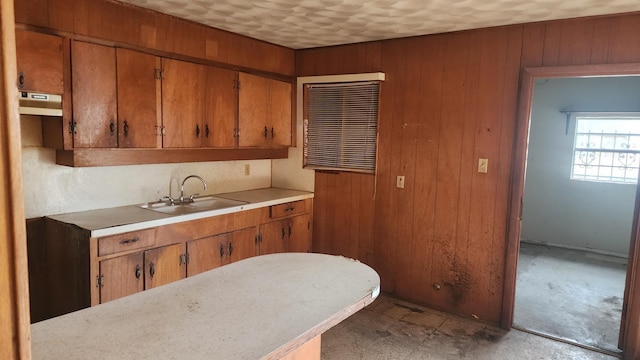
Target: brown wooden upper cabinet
(40, 62)
(182, 103)
(114, 97)
(264, 112)
(198, 105)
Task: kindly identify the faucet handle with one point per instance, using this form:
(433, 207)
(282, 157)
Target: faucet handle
(191, 197)
(169, 199)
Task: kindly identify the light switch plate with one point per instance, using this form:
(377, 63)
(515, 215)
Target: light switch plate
(483, 165)
(400, 182)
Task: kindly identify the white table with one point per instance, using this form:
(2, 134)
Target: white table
(266, 307)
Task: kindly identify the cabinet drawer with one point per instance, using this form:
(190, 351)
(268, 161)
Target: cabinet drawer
(287, 209)
(125, 242)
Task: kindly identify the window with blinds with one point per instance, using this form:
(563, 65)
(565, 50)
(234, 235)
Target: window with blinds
(341, 126)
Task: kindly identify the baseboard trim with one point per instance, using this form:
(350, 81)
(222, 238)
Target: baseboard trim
(569, 247)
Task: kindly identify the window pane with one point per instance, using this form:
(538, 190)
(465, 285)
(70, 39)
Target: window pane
(606, 149)
(341, 126)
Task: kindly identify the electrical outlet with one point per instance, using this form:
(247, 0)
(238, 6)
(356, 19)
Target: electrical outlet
(247, 169)
(483, 165)
(400, 182)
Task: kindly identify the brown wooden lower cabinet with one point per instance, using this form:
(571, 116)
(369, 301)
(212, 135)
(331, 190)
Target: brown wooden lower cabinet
(129, 274)
(287, 235)
(214, 251)
(82, 271)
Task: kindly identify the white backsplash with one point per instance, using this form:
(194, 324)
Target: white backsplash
(55, 189)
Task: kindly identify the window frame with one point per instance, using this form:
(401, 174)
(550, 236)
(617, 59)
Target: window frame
(576, 116)
(302, 83)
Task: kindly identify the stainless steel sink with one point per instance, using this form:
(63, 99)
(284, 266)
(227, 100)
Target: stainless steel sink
(199, 204)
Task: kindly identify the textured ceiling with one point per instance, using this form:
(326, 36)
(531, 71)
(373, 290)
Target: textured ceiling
(301, 24)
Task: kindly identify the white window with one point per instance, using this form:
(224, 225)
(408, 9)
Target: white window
(606, 148)
(341, 126)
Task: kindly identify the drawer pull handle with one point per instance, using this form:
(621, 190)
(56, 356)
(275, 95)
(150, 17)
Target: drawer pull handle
(221, 250)
(128, 241)
(138, 272)
(290, 208)
(283, 233)
(230, 248)
(152, 270)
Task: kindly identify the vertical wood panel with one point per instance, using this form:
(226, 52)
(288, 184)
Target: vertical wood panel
(575, 41)
(551, 50)
(600, 44)
(14, 287)
(503, 168)
(533, 44)
(624, 33)
(448, 270)
(468, 164)
(483, 186)
(405, 166)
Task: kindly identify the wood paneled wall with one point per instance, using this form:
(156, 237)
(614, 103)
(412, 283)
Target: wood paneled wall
(126, 24)
(449, 99)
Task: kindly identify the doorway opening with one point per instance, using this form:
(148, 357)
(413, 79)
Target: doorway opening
(577, 211)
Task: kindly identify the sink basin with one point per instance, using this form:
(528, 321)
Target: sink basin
(205, 203)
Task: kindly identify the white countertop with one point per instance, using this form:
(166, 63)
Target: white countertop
(105, 222)
(258, 308)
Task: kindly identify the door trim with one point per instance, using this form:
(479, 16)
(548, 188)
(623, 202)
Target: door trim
(630, 334)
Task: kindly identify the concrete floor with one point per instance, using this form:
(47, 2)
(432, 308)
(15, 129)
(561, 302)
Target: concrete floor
(394, 329)
(569, 294)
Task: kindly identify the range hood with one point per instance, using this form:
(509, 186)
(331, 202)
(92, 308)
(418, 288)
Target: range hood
(40, 104)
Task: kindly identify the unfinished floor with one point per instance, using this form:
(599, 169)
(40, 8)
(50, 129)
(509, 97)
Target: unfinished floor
(570, 294)
(394, 329)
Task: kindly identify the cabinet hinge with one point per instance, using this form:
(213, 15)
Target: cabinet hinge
(236, 133)
(100, 281)
(236, 84)
(72, 127)
(158, 74)
(184, 259)
(159, 130)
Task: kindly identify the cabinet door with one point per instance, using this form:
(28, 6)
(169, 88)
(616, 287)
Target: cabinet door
(280, 113)
(207, 253)
(39, 60)
(220, 118)
(121, 276)
(93, 74)
(299, 234)
(164, 265)
(243, 244)
(274, 237)
(253, 111)
(182, 104)
(137, 99)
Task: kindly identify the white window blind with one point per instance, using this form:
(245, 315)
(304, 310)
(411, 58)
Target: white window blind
(341, 126)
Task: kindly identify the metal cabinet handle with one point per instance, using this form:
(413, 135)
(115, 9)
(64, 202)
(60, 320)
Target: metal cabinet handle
(265, 131)
(289, 230)
(126, 128)
(206, 130)
(272, 133)
(230, 248)
(290, 208)
(197, 130)
(21, 80)
(152, 270)
(128, 241)
(283, 233)
(221, 250)
(138, 272)
(112, 127)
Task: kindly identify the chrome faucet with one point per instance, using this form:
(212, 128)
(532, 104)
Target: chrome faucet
(190, 199)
